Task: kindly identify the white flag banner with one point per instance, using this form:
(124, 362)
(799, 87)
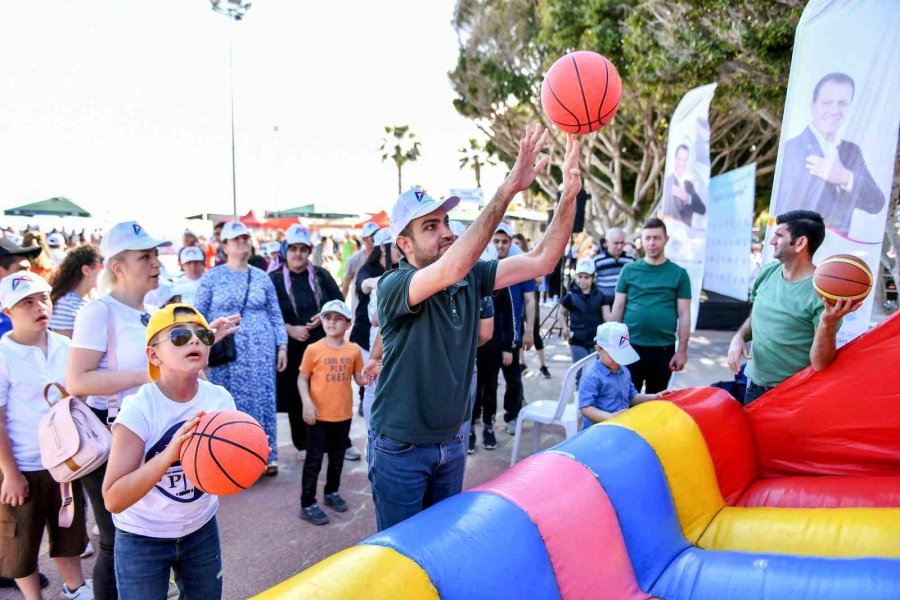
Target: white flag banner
(729, 233)
(686, 187)
(839, 134)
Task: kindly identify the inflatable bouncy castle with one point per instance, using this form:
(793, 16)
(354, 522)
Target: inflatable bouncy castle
(795, 497)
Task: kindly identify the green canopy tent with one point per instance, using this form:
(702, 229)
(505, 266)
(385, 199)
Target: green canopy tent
(54, 207)
(312, 211)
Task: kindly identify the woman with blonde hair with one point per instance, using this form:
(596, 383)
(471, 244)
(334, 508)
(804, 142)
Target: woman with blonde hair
(43, 263)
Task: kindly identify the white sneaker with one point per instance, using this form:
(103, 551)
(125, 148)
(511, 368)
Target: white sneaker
(95, 530)
(301, 455)
(88, 550)
(85, 592)
(511, 427)
(352, 454)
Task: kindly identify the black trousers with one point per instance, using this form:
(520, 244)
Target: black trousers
(489, 360)
(652, 369)
(514, 396)
(104, 570)
(324, 438)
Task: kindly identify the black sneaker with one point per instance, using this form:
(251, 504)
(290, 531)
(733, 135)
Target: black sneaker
(472, 441)
(314, 515)
(336, 502)
(490, 440)
(545, 372)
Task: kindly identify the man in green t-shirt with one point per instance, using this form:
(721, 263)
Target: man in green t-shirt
(428, 310)
(791, 327)
(653, 297)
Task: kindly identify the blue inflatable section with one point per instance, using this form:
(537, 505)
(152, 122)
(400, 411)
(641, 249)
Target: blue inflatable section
(629, 471)
(705, 575)
(497, 551)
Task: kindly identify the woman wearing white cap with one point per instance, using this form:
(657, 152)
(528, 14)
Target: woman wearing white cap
(302, 290)
(261, 342)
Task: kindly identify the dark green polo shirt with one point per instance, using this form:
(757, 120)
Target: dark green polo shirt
(422, 396)
(651, 310)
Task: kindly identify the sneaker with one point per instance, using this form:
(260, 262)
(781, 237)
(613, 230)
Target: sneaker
(314, 515)
(490, 440)
(88, 550)
(95, 530)
(84, 592)
(352, 454)
(523, 368)
(472, 440)
(511, 427)
(336, 502)
(301, 455)
(545, 372)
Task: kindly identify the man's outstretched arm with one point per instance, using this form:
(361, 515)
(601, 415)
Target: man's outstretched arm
(546, 253)
(456, 263)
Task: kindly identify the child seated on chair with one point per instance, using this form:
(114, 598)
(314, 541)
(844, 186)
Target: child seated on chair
(606, 388)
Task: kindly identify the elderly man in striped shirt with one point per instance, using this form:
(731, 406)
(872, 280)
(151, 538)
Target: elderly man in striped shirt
(610, 262)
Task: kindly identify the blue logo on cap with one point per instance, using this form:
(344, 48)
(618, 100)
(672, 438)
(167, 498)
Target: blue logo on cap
(137, 229)
(419, 195)
(17, 281)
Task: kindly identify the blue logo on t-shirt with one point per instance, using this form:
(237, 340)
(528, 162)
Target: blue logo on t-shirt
(173, 484)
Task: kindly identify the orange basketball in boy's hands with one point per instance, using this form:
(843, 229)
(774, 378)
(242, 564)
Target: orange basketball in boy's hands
(843, 277)
(226, 454)
(581, 92)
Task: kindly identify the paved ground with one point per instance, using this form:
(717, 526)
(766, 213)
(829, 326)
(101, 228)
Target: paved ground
(264, 541)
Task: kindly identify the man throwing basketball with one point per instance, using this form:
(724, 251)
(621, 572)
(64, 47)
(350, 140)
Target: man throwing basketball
(791, 327)
(428, 309)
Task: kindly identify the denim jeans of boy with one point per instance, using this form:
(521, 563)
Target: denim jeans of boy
(143, 564)
(408, 478)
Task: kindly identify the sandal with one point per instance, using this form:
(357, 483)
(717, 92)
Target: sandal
(272, 470)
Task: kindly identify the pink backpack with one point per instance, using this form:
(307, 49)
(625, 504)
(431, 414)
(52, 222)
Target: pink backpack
(73, 442)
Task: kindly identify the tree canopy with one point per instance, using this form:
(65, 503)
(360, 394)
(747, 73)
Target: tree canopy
(661, 48)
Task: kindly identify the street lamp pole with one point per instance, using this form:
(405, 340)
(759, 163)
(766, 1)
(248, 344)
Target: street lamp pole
(235, 11)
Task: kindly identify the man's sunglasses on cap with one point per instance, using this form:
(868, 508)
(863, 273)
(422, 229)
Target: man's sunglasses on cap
(182, 335)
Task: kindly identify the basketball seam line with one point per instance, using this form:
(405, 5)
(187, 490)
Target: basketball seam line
(605, 90)
(196, 453)
(565, 108)
(232, 442)
(218, 464)
(827, 276)
(587, 111)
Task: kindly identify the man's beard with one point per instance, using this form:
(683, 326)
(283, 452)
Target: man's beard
(425, 257)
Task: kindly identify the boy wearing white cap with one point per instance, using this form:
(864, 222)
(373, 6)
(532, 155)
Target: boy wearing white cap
(30, 357)
(193, 264)
(606, 389)
(326, 372)
(428, 309)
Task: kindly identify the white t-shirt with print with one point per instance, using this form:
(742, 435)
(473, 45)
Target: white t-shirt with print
(24, 371)
(90, 333)
(174, 507)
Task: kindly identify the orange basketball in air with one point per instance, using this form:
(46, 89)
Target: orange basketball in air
(581, 92)
(226, 454)
(843, 277)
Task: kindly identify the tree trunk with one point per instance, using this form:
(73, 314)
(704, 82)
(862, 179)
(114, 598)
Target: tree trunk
(399, 180)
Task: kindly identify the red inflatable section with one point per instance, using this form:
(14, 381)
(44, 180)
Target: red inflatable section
(841, 421)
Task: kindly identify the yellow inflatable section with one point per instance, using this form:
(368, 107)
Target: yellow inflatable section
(361, 572)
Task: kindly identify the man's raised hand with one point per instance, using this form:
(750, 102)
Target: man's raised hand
(570, 169)
(527, 164)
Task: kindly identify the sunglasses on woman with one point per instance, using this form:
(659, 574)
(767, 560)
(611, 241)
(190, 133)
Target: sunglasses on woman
(181, 336)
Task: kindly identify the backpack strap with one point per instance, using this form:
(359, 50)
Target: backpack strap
(62, 392)
(112, 364)
(67, 507)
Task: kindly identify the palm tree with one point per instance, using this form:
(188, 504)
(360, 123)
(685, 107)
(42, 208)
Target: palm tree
(475, 155)
(401, 146)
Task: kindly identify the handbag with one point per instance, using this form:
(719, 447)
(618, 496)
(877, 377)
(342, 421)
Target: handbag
(225, 350)
(73, 443)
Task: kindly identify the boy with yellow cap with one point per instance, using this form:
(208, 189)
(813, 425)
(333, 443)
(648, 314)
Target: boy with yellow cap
(162, 521)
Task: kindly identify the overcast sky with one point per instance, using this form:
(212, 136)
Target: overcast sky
(122, 106)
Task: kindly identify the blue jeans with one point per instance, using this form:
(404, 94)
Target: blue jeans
(754, 391)
(143, 564)
(578, 352)
(408, 478)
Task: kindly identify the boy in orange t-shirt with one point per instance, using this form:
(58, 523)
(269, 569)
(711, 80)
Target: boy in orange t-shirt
(326, 371)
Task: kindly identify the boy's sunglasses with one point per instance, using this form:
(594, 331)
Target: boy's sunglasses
(181, 336)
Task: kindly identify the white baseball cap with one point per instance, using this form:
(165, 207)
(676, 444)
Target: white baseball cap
(383, 237)
(165, 291)
(17, 286)
(585, 266)
(490, 253)
(370, 229)
(56, 240)
(128, 236)
(336, 306)
(191, 254)
(233, 229)
(613, 337)
(273, 247)
(457, 228)
(504, 228)
(298, 234)
(413, 204)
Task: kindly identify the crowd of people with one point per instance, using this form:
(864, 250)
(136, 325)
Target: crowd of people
(423, 315)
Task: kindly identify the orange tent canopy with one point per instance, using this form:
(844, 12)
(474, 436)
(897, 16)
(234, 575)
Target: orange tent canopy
(250, 220)
(382, 219)
(280, 223)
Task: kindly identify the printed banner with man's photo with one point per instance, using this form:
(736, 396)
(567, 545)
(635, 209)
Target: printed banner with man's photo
(839, 133)
(686, 187)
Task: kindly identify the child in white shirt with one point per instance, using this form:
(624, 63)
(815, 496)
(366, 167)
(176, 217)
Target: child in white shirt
(162, 521)
(31, 356)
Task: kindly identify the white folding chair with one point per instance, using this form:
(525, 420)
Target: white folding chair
(562, 411)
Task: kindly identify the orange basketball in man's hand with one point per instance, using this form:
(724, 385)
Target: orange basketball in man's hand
(581, 92)
(226, 454)
(843, 277)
